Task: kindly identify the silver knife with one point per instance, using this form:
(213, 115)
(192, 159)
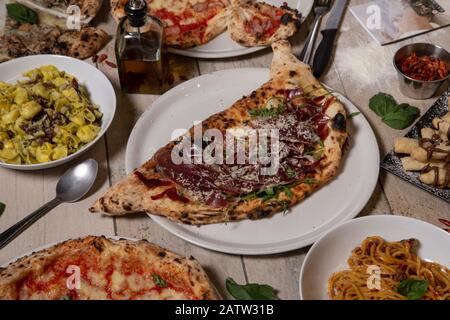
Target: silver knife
(323, 54)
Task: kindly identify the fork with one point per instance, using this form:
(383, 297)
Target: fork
(320, 9)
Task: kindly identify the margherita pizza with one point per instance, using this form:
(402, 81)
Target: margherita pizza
(100, 268)
(259, 24)
(311, 127)
(187, 23)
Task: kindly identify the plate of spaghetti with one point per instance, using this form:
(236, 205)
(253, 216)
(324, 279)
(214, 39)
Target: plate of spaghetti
(380, 257)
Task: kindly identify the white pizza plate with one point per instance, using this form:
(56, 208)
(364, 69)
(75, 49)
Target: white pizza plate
(223, 47)
(98, 86)
(198, 98)
(330, 253)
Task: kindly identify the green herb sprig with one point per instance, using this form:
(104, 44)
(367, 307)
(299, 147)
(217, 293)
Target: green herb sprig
(413, 289)
(273, 107)
(21, 13)
(397, 116)
(160, 282)
(353, 114)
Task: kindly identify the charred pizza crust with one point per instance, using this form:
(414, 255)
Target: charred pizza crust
(260, 24)
(83, 43)
(131, 195)
(95, 253)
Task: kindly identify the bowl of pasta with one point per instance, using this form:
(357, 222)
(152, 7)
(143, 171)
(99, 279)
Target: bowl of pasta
(52, 109)
(381, 257)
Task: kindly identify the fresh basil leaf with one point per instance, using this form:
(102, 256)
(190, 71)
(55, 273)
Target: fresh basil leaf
(250, 291)
(21, 13)
(2, 208)
(402, 117)
(382, 104)
(160, 282)
(65, 298)
(413, 289)
(353, 114)
(395, 116)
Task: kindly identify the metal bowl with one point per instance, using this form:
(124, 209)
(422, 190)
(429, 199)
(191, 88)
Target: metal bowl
(418, 89)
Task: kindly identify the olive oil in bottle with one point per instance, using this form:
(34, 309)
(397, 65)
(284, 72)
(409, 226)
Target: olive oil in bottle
(140, 51)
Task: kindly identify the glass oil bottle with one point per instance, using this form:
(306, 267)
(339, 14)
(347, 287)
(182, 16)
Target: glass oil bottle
(140, 51)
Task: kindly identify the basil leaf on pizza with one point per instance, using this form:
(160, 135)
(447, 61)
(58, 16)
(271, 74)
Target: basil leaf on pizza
(160, 282)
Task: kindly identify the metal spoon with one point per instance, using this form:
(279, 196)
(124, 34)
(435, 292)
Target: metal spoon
(71, 187)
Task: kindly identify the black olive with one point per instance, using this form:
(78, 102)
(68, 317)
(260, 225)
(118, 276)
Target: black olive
(84, 37)
(286, 18)
(339, 122)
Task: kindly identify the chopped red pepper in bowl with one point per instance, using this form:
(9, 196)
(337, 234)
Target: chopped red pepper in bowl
(424, 68)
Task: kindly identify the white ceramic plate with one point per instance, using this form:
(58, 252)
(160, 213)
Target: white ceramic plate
(99, 88)
(223, 47)
(330, 253)
(336, 202)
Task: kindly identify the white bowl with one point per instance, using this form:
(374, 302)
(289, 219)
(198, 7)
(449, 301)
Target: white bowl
(99, 88)
(330, 253)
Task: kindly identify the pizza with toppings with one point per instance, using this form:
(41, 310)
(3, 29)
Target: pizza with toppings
(100, 268)
(187, 23)
(258, 24)
(311, 126)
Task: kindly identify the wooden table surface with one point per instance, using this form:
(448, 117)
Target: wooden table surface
(360, 69)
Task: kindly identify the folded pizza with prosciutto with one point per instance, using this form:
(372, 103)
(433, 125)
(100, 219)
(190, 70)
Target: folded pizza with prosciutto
(100, 268)
(309, 124)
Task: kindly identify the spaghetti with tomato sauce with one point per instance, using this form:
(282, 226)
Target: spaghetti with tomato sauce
(403, 274)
